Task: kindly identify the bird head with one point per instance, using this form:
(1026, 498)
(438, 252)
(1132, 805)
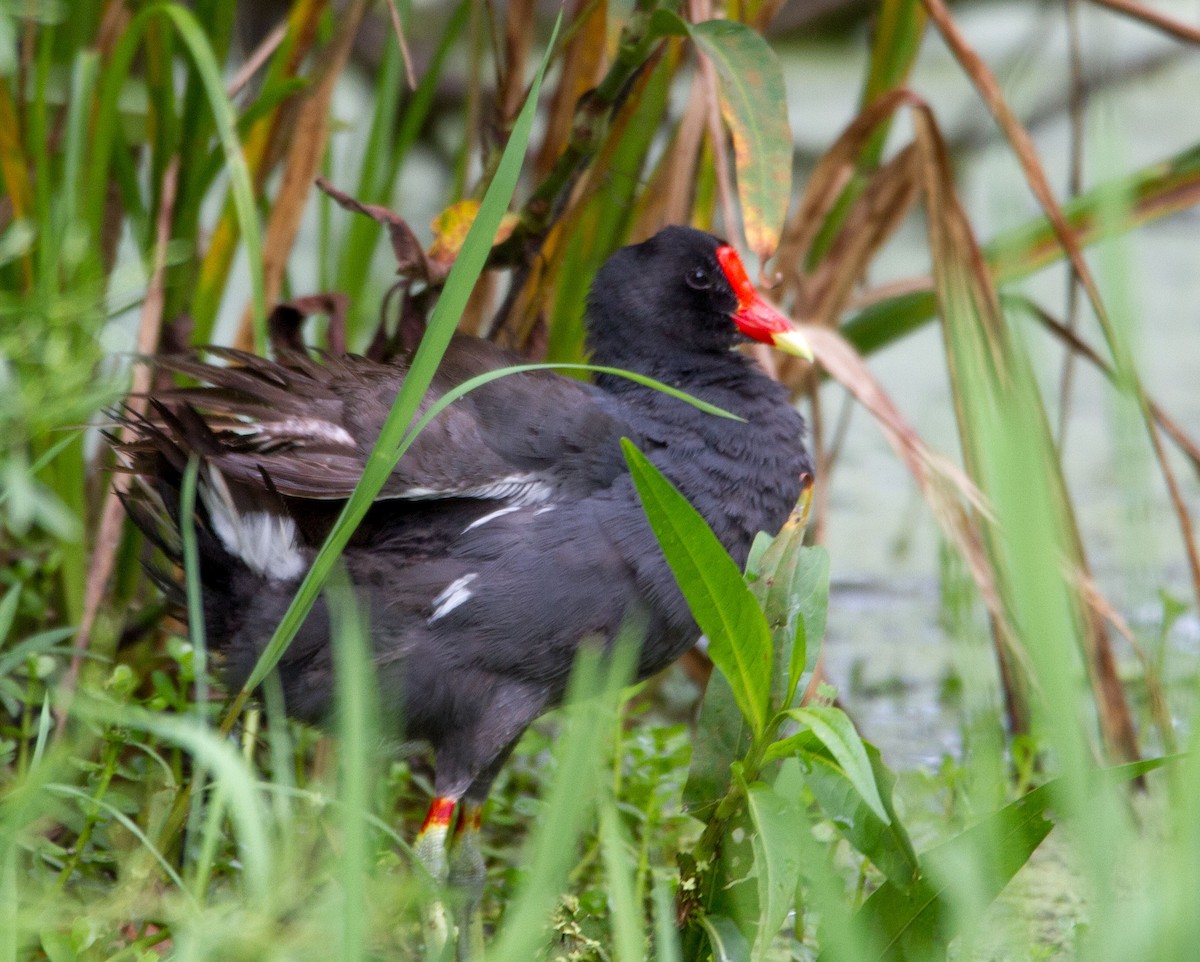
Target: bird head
(685, 292)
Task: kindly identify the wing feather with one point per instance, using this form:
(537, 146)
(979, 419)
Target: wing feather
(305, 428)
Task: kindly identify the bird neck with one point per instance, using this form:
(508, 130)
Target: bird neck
(682, 367)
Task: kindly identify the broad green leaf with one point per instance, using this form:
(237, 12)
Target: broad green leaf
(886, 844)
(754, 105)
(837, 733)
(722, 737)
(810, 588)
(667, 23)
(791, 582)
(727, 943)
(770, 572)
(739, 642)
(916, 922)
(777, 861)
(878, 325)
(58, 946)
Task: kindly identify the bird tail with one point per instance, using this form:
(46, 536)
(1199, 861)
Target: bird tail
(246, 540)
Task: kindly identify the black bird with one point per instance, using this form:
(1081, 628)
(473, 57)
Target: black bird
(509, 533)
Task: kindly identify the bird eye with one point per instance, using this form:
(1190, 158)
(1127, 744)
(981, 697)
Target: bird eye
(699, 279)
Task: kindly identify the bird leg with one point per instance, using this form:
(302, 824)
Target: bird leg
(467, 876)
(430, 849)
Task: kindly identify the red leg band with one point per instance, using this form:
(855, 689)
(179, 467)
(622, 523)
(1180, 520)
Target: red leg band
(441, 810)
(470, 820)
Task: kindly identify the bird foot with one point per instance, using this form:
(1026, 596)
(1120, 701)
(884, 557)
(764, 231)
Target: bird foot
(467, 876)
(430, 849)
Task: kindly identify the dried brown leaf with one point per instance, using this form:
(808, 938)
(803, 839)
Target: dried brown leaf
(825, 185)
(398, 28)
(1159, 21)
(258, 57)
(411, 261)
(875, 216)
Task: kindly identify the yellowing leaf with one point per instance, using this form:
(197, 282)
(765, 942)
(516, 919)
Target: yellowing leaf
(754, 105)
(451, 225)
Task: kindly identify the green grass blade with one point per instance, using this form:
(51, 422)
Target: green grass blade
(461, 390)
(358, 731)
(459, 285)
(1156, 191)
(590, 717)
(666, 935)
(192, 584)
(604, 223)
(83, 79)
(739, 641)
(8, 610)
(629, 943)
(377, 178)
(70, 791)
(232, 778)
(106, 122)
(10, 905)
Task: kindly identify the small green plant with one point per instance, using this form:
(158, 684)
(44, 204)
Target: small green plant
(762, 759)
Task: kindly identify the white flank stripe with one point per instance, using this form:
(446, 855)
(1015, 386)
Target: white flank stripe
(490, 517)
(310, 428)
(454, 595)
(265, 541)
(516, 489)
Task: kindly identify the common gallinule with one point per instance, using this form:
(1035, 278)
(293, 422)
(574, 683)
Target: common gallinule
(509, 533)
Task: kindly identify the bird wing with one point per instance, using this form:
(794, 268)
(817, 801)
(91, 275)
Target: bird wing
(305, 428)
